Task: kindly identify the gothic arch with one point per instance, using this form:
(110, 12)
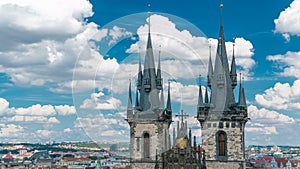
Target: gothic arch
(221, 145)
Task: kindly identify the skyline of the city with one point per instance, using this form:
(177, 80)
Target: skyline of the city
(44, 97)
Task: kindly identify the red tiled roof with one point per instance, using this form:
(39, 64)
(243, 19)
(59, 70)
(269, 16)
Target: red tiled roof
(281, 160)
(267, 158)
(76, 159)
(8, 156)
(294, 163)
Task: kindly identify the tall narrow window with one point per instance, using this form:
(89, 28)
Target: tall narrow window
(138, 144)
(222, 143)
(146, 145)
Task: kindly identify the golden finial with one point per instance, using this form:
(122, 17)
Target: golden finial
(149, 5)
(149, 13)
(221, 7)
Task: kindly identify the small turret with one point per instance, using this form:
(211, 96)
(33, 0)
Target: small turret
(129, 104)
(169, 107)
(242, 98)
(162, 98)
(206, 99)
(140, 74)
(233, 74)
(158, 76)
(210, 70)
(137, 103)
(200, 96)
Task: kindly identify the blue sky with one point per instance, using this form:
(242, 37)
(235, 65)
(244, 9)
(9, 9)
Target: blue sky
(64, 66)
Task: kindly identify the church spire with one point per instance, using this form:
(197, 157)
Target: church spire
(129, 104)
(137, 104)
(200, 96)
(169, 107)
(158, 76)
(162, 98)
(206, 96)
(210, 69)
(242, 98)
(222, 96)
(233, 74)
(140, 73)
(149, 97)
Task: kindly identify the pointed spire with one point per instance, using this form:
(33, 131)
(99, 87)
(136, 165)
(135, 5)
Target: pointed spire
(200, 96)
(158, 76)
(242, 98)
(149, 44)
(162, 98)
(137, 104)
(206, 96)
(222, 95)
(140, 73)
(233, 74)
(210, 69)
(221, 49)
(129, 105)
(169, 108)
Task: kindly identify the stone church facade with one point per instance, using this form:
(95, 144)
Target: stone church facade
(221, 117)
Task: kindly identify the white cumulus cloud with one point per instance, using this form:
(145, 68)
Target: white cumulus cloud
(288, 63)
(282, 96)
(65, 110)
(99, 101)
(288, 22)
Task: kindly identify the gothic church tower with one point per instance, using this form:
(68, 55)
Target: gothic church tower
(222, 118)
(149, 119)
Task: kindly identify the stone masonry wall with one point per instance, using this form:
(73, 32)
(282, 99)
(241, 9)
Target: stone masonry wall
(234, 144)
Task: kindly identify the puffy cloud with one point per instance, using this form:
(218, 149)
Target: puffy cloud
(4, 104)
(65, 110)
(35, 114)
(36, 110)
(49, 37)
(11, 130)
(44, 133)
(53, 120)
(288, 62)
(99, 101)
(33, 21)
(67, 130)
(270, 127)
(288, 21)
(262, 130)
(28, 119)
(265, 116)
(281, 97)
(185, 94)
(102, 127)
(116, 33)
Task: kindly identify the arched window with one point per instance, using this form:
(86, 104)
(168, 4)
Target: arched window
(221, 140)
(146, 145)
(221, 144)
